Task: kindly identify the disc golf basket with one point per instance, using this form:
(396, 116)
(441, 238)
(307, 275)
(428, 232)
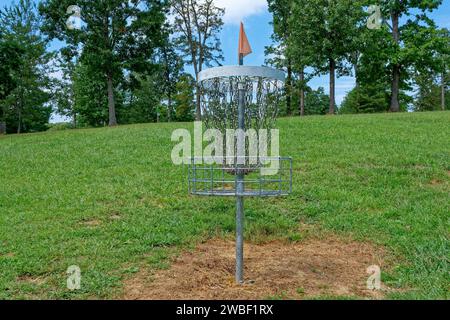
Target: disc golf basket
(240, 97)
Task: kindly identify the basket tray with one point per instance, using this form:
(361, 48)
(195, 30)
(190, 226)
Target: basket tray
(221, 180)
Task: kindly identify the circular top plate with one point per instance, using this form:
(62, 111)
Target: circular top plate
(241, 71)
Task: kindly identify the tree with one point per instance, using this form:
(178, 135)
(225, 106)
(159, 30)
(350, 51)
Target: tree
(64, 88)
(26, 107)
(323, 30)
(288, 52)
(429, 63)
(146, 95)
(366, 98)
(10, 54)
(444, 67)
(431, 69)
(89, 98)
(117, 35)
(198, 23)
(445, 83)
(369, 58)
(184, 98)
(316, 102)
(171, 67)
(404, 52)
(428, 96)
(281, 11)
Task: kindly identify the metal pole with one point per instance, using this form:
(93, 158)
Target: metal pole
(239, 191)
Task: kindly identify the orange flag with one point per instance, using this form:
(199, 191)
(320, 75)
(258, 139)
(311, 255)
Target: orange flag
(244, 45)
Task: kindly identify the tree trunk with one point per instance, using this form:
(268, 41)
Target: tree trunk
(111, 102)
(356, 68)
(395, 87)
(443, 91)
(2, 122)
(169, 108)
(332, 86)
(289, 89)
(302, 93)
(74, 120)
(19, 106)
(19, 120)
(197, 70)
(198, 112)
(355, 58)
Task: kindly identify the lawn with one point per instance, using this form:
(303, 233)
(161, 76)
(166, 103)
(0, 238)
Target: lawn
(110, 200)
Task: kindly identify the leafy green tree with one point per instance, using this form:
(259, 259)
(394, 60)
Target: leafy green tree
(444, 67)
(26, 108)
(64, 88)
(428, 96)
(366, 98)
(145, 97)
(429, 65)
(409, 43)
(116, 36)
(323, 30)
(89, 96)
(197, 24)
(369, 59)
(10, 54)
(289, 52)
(184, 98)
(171, 67)
(281, 11)
(373, 79)
(316, 102)
(431, 74)
(445, 83)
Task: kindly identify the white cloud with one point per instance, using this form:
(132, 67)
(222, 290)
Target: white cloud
(237, 10)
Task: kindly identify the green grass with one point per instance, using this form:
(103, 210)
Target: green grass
(109, 200)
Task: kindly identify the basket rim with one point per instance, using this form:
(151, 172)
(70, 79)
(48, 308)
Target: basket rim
(241, 71)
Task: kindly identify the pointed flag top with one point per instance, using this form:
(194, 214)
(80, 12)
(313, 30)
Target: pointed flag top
(244, 45)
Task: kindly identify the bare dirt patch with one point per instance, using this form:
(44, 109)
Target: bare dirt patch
(115, 216)
(91, 223)
(8, 255)
(435, 182)
(36, 280)
(312, 268)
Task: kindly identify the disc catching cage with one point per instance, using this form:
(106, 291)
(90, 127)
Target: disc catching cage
(247, 98)
(219, 92)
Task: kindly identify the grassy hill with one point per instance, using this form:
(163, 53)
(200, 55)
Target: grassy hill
(108, 199)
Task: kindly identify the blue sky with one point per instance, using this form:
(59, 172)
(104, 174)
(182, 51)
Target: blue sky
(257, 20)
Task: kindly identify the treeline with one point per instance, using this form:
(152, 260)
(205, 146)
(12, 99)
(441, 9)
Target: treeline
(120, 61)
(401, 61)
(124, 62)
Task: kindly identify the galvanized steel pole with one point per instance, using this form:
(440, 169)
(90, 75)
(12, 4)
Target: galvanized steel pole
(240, 192)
